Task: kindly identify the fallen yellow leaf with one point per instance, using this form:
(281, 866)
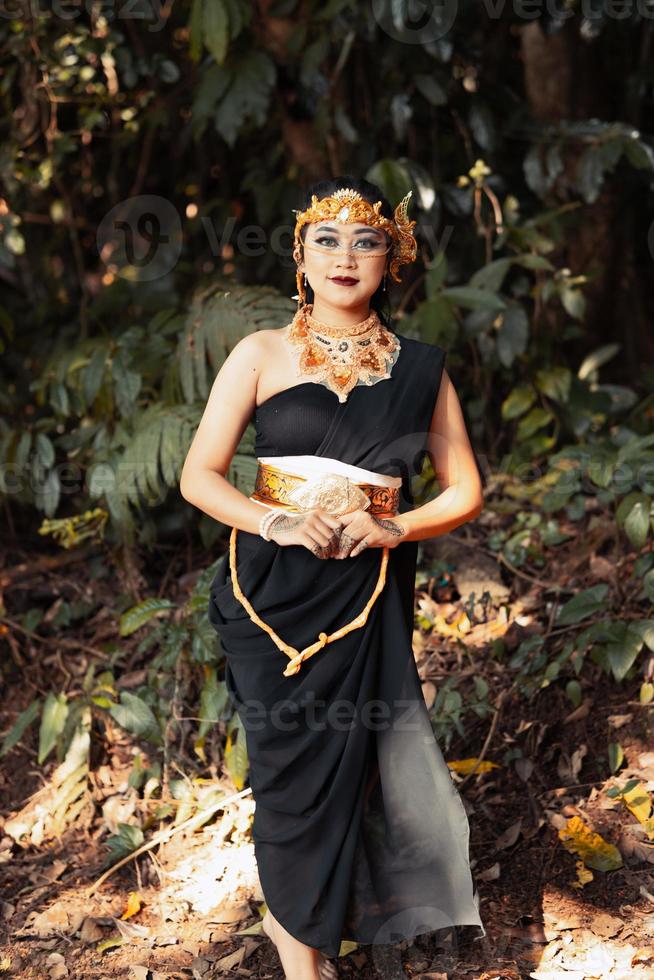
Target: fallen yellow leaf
(639, 803)
(593, 850)
(465, 766)
(584, 875)
(134, 903)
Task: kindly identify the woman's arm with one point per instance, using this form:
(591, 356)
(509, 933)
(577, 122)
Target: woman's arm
(228, 410)
(455, 466)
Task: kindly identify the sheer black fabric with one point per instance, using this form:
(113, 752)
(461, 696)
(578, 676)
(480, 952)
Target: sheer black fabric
(359, 830)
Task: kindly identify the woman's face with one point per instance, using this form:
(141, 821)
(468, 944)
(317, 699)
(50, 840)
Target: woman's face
(334, 250)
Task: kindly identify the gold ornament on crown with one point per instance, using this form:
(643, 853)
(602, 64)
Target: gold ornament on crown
(348, 206)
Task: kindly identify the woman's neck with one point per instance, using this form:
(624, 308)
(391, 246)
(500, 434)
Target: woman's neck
(338, 317)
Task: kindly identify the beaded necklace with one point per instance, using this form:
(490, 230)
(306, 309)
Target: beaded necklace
(343, 356)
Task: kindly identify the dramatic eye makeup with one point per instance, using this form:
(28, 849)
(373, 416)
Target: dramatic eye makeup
(369, 232)
(366, 236)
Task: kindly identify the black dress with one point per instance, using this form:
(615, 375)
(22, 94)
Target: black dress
(359, 830)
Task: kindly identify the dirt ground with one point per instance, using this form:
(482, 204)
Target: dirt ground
(191, 907)
(199, 894)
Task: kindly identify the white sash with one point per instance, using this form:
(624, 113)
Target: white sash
(310, 466)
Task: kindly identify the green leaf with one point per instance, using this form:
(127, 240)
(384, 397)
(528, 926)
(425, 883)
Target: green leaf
(45, 450)
(135, 617)
(53, 720)
(434, 321)
(128, 838)
(393, 177)
(646, 692)
(435, 275)
(248, 95)
(195, 31)
(583, 605)
(590, 173)
(540, 173)
(512, 335)
(518, 402)
(127, 384)
(634, 447)
(633, 515)
(491, 276)
(482, 125)
(213, 699)
(622, 655)
(22, 723)
(532, 261)
(645, 630)
(555, 382)
(593, 361)
(536, 419)
(110, 943)
(474, 299)
(161, 436)
(639, 154)
(135, 716)
(93, 373)
(48, 494)
(431, 88)
(616, 756)
(236, 754)
(573, 301)
(215, 25)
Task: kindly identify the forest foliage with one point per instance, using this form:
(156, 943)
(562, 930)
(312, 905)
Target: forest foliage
(151, 159)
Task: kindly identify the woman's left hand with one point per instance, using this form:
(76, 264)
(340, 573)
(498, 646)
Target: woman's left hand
(359, 526)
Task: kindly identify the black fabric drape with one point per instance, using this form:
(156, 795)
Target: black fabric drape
(359, 830)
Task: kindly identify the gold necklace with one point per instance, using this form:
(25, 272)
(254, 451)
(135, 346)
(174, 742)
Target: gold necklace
(343, 356)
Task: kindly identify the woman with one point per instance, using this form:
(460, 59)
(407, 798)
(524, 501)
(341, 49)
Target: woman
(359, 830)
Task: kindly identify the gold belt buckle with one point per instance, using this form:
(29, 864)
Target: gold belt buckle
(332, 492)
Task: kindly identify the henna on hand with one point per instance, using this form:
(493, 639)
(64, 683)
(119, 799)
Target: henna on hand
(284, 523)
(346, 543)
(389, 525)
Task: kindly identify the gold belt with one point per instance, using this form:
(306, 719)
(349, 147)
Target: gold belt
(335, 494)
(332, 492)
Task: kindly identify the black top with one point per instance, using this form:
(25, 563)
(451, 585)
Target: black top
(296, 420)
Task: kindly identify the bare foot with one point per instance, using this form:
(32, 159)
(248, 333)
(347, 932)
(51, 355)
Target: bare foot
(326, 967)
(300, 962)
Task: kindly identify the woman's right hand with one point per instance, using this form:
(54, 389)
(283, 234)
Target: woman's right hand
(315, 529)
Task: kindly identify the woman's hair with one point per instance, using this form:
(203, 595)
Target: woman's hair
(379, 301)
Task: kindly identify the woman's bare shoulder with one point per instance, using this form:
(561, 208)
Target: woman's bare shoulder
(266, 341)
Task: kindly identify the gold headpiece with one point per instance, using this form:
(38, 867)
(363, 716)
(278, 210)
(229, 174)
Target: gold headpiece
(349, 206)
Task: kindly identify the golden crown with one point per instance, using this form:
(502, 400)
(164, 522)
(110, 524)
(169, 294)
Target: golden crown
(348, 206)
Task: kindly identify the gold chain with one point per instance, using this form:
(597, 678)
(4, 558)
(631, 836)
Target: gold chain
(297, 656)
